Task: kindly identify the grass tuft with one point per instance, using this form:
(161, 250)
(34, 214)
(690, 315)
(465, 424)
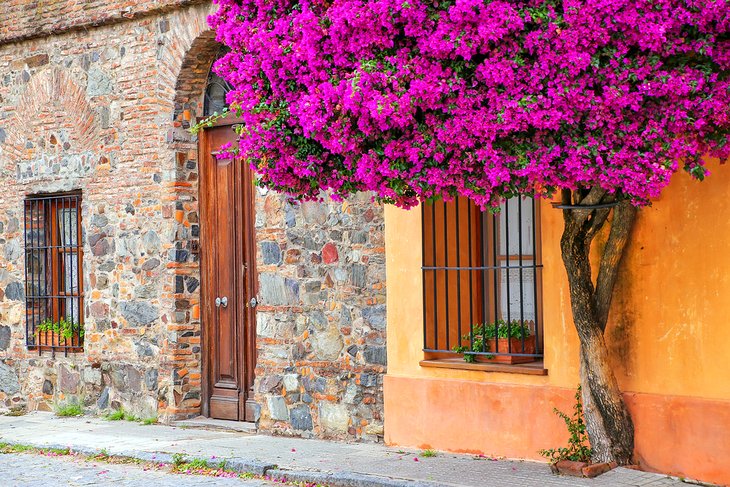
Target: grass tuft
(428, 453)
(68, 410)
(116, 415)
(120, 414)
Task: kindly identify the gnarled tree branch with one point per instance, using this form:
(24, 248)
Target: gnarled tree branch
(624, 216)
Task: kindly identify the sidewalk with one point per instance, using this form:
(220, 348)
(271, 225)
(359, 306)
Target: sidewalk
(337, 464)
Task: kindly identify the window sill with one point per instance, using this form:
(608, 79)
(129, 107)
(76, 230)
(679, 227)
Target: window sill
(532, 368)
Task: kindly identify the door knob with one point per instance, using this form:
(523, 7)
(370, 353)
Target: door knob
(252, 303)
(217, 302)
(224, 301)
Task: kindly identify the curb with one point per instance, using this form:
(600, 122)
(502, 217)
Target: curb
(240, 465)
(346, 479)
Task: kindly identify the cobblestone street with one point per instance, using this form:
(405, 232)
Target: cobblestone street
(30, 470)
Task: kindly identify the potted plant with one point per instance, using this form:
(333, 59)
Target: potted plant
(498, 337)
(62, 333)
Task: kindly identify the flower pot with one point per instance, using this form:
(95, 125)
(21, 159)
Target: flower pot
(51, 340)
(504, 347)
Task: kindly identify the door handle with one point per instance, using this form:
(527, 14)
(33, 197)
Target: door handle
(217, 302)
(252, 303)
(224, 301)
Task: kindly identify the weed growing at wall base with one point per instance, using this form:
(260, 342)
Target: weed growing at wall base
(577, 449)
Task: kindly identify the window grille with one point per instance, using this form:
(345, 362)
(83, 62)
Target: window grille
(481, 281)
(216, 90)
(53, 273)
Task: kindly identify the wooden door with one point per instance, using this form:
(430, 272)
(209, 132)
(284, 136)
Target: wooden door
(228, 286)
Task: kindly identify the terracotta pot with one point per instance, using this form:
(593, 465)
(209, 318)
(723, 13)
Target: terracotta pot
(504, 348)
(50, 340)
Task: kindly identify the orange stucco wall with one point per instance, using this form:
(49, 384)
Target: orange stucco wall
(668, 335)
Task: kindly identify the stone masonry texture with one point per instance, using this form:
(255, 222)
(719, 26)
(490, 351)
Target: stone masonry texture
(98, 96)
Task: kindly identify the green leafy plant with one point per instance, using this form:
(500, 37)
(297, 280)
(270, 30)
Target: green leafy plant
(69, 409)
(209, 121)
(116, 415)
(178, 459)
(489, 331)
(131, 417)
(121, 414)
(578, 449)
(428, 453)
(62, 327)
(11, 448)
(149, 421)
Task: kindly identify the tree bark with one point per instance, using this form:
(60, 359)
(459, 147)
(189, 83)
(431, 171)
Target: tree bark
(608, 423)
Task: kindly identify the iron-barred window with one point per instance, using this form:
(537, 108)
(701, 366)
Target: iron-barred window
(53, 273)
(481, 281)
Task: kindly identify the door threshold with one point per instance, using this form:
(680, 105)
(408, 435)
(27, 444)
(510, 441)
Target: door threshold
(201, 422)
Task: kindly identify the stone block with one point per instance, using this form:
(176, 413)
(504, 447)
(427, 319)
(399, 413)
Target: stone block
(358, 275)
(139, 313)
(103, 401)
(334, 417)
(13, 250)
(318, 384)
(15, 291)
(327, 344)
(314, 212)
(269, 383)
(271, 253)
(368, 380)
(277, 408)
(273, 289)
(151, 242)
(4, 337)
(329, 253)
(68, 380)
(301, 418)
(9, 383)
(92, 376)
(376, 355)
(375, 316)
(571, 468)
(151, 379)
(291, 382)
(352, 394)
(375, 429)
(150, 264)
(596, 469)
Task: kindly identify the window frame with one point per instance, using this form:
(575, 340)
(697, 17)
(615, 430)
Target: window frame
(484, 240)
(46, 248)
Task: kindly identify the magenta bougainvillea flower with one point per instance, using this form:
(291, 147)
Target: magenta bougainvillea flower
(415, 99)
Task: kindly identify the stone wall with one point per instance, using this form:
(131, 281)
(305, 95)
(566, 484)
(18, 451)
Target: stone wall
(321, 322)
(93, 110)
(106, 110)
(24, 19)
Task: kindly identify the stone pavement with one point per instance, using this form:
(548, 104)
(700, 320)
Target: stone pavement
(29, 470)
(345, 464)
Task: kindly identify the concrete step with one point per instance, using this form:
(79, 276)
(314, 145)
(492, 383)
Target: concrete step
(203, 423)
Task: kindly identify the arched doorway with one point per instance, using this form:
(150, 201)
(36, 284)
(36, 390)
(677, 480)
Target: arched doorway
(228, 260)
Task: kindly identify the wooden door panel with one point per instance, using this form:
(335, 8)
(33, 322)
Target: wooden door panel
(226, 237)
(226, 374)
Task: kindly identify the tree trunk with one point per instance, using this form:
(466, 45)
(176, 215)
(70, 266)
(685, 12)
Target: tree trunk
(609, 426)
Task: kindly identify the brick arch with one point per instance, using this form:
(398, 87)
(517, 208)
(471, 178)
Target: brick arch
(52, 102)
(187, 66)
(191, 82)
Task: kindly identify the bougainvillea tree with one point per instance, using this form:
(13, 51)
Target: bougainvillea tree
(600, 101)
